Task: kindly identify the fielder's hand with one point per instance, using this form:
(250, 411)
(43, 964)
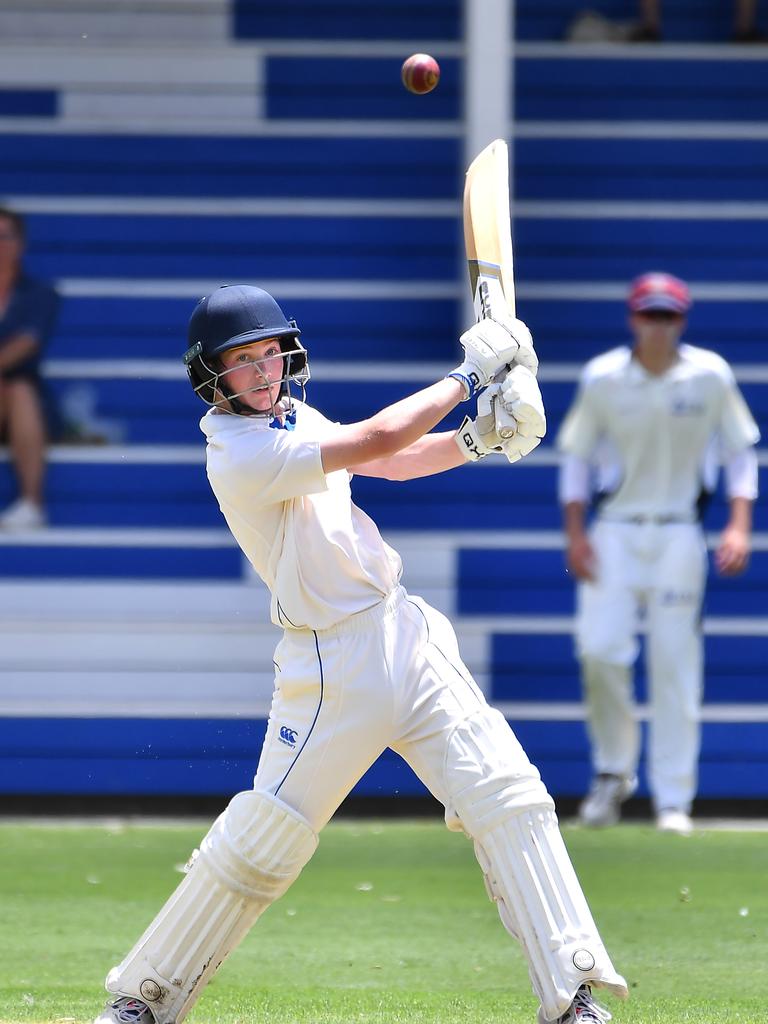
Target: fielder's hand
(491, 346)
(520, 399)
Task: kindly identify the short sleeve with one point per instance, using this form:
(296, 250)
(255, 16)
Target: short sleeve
(257, 468)
(581, 428)
(738, 429)
(34, 310)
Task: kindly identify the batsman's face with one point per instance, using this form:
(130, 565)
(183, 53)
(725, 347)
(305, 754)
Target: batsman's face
(253, 373)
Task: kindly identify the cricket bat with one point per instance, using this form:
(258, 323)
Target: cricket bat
(488, 241)
(487, 232)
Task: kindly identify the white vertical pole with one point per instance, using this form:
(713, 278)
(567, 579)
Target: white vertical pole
(488, 84)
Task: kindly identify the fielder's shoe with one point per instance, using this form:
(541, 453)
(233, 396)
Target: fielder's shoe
(125, 1010)
(23, 514)
(584, 1009)
(670, 819)
(602, 805)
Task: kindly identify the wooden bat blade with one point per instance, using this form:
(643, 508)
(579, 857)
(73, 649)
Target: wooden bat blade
(487, 232)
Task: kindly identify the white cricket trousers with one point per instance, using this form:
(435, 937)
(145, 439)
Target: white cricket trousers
(392, 677)
(659, 569)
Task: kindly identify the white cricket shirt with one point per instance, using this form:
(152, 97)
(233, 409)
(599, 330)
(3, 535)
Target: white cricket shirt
(652, 437)
(320, 555)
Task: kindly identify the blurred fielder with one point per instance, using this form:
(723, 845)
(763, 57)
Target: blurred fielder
(654, 422)
(362, 665)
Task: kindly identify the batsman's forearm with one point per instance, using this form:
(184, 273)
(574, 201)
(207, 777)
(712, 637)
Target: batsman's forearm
(390, 431)
(433, 453)
(403, 423)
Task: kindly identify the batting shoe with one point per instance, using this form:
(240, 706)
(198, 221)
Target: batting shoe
(584, 1010)
(670, 819)
(602, 805)
(125, 1010)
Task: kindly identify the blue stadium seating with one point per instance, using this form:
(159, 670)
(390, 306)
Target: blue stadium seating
(319, 87)
(683, 20)
(167, 412)
(28, 102)
(347, 19)
(223, 166)
(402, 330)
(382, 247)
(117, 493)
(670, 169)
(656, 90)
(572, 331)
(215, 756)
(542, 669)
(490, 582)
(702, 165)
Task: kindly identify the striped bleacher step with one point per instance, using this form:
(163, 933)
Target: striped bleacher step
(160, 494)
(92, 641)
(125, 323)
(166, 26)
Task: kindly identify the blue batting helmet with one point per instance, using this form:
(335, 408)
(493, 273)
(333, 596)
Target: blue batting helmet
(232, 316)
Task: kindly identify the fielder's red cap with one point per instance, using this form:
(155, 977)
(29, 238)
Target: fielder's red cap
(659, 291)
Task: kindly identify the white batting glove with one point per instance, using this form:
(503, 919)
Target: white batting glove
(488, 432)
(520, 398)
(526, 354)
(489, 346)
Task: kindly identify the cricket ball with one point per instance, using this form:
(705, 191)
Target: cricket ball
(420, 73)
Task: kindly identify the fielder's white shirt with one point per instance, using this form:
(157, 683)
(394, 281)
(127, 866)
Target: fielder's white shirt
(320, 555)
(654, 438)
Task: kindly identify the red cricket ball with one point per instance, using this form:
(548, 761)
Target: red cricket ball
(420, 73)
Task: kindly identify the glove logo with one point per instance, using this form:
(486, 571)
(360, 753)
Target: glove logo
(287, 736)
(470, 445)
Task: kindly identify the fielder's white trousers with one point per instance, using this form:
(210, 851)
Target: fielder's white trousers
(659, 569)
(392, 677)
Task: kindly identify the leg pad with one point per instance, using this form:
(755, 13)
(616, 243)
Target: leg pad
(530, 877)
(496, 796)
(251, 855)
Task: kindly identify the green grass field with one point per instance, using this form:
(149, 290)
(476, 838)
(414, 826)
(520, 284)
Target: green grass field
(389, 923)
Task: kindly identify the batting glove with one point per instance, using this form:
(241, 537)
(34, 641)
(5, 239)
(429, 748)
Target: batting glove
(490, 346)
(526, 354)
(492, 426)
(520, 399)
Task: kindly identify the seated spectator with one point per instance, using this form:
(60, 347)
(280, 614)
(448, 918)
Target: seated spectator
(745, 28)
(28, 311)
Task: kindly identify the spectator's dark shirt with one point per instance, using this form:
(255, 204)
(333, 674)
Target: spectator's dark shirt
(32, 309)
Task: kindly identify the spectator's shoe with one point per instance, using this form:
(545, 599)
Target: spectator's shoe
(584, 1010)
(23, 514)
(669, 819)
(749, 35)
(602, 805)
(644, 34)
(125, 1010)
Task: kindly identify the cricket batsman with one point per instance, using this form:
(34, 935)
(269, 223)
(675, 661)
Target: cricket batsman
(362, 665)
